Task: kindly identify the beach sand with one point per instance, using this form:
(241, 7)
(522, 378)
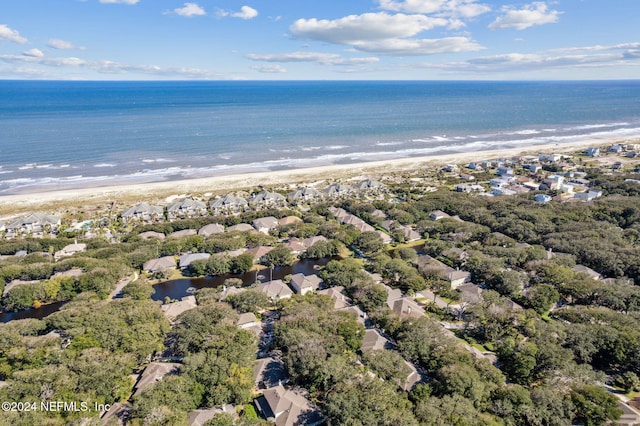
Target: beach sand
(122, 194)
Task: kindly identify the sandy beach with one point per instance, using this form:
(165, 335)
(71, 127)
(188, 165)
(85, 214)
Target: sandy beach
(159, 191)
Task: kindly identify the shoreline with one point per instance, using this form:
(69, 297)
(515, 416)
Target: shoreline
(158, 190)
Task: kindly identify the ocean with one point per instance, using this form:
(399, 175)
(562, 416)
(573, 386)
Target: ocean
(60, 134)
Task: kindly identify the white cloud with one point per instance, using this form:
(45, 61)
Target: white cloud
(570, 58)
(189, 10)
(36, 53)
(246, 12)
(366, 27)
(536, 13)
(270, 69)
(318, 57)
(384, 34)
(452, 8)
(111, 67)
(119, 1)
(8, 34)
(59, 44)
(409, 47)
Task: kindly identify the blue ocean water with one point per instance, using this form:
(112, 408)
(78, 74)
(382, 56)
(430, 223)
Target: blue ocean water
(55, 134)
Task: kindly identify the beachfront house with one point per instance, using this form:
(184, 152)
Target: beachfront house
(143, 212)
(304, 195)
(186, 208)
(266, 199)
(369, 187)
(228, 204)
(592, 152)
(337, 190)
(35, 224)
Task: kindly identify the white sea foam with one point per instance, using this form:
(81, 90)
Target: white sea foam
(101, 165)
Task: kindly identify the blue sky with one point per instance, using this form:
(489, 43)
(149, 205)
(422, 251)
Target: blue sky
(330, 39)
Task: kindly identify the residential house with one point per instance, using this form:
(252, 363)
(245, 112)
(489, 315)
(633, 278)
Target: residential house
(407, 232)
(592, 152)
(211, 229)
(586, 270)
(437, 215)
(183, 233)
(229, 291)
(70, 250)
(228, 204)
(202, 416)
(542, 198)
(247, 320)
(588, 195)
(241, 227)
(35, 224)
(186, 208)
(152, 234)
(467, 177)
(295, 245)
(450, 168)
(153, 373)
(340, 300)
(533, 168)
(456, 254)
(288, 407)
(162, 264)
(304, 195)
(337, 190)
(430, 266)
(463, 187)
(266, 199)
(475, 166)
(172, 310)
(374, 341)
(308, 242)
(289, 220)
(259, 252)
(470, 293)
(143, 212)
(413, 378)
(393, 294)
(276, 290)
(269, 372)
(552, 158)
(370, 187)
(406, 307)
(302, 284)
(265, 224)
(505, 171)
(378, 214)
(186, 259)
